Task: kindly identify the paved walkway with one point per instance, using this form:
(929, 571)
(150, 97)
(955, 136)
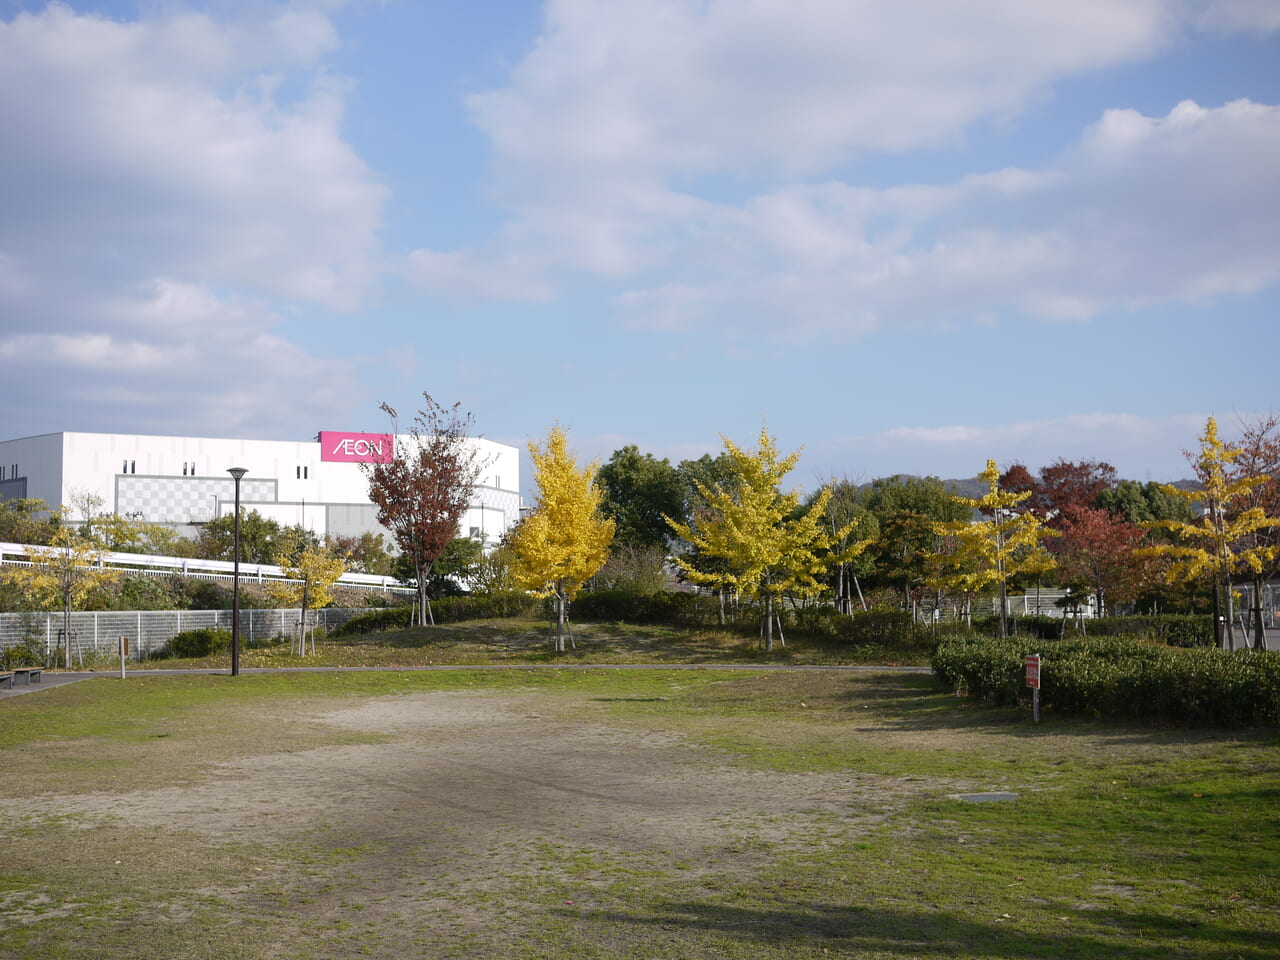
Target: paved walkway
(46, 681)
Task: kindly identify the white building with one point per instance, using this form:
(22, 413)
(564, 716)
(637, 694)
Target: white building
(183, 481)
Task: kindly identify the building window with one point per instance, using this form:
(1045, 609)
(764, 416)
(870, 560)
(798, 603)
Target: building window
(124, 466)
(304, 472)
(133, 466)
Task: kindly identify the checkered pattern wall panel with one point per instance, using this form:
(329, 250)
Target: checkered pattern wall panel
(186, 499)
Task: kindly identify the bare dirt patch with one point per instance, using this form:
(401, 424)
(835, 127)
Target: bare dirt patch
(486, 768)
(478, 806)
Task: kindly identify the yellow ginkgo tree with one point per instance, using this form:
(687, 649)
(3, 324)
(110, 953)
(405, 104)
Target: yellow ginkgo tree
(62, 574)
(1220, 542)
(312, 572)
(769, 546)
(992, 551)
(558, 547)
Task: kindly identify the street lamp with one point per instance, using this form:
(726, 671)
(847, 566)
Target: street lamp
(237, 473)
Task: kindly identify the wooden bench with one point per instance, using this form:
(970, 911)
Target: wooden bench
(6, 679)
(30, 674)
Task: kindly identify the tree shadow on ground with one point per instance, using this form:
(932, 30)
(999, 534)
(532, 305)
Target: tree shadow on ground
(922, 705)
(783, 928)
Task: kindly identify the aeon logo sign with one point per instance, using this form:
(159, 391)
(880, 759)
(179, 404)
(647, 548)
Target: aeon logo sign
(340, 447)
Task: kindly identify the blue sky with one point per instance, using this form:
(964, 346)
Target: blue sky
(905, 236)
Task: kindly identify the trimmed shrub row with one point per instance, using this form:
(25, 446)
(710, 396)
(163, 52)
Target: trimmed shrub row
(445, 610)
(667, 607)
(1118, 678)
(1171, 629)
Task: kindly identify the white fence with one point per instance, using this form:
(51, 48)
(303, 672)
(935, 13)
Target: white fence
(150, 630)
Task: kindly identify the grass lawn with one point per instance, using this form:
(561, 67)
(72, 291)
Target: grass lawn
(525, 641)
(653, 813)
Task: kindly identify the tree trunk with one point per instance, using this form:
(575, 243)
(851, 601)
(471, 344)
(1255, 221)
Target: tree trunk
(1231, 629)
(561, 619)
(768, 623)
(1004, 610)
(1217, 612)
(1259, 633)
(306, 602)
(66, 626)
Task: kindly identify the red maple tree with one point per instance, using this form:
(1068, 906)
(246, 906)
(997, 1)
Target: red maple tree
(1097, 550)
(424, 492)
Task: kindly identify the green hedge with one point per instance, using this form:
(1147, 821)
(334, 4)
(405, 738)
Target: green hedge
(1118, 678)
(626, 606)
(1173, 629)
(200, 643)
(445, 610)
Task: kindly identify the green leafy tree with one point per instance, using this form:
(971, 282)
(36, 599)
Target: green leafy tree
(906, 511)
(26, 520)
(1145, 503)
(635, 569)
(769, 544)
(366, 553)
(991, 551)
(262, 539)
(492, 574)
(456, 567)
(638, 492)
(558, 547)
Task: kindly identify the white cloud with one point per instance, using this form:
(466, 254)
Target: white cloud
(172, 186)
(161, 141)
(684, 86)
(1241, 16)
(1142, 210)
(217, 363)
(606, 127)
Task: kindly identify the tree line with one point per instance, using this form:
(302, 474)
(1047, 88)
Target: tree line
(729, 524)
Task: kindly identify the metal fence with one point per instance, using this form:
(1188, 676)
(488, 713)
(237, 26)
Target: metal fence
(149, 630)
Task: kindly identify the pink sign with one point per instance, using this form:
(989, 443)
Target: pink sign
(340, 447)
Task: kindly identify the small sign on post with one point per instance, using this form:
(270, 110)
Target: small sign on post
(1033, 681)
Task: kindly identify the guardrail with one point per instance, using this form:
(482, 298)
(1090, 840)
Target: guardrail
(156, 566)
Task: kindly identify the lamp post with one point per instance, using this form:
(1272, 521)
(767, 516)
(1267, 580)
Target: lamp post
(236, 473)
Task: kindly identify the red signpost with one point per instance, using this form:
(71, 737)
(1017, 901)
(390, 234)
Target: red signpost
(1033, 681)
